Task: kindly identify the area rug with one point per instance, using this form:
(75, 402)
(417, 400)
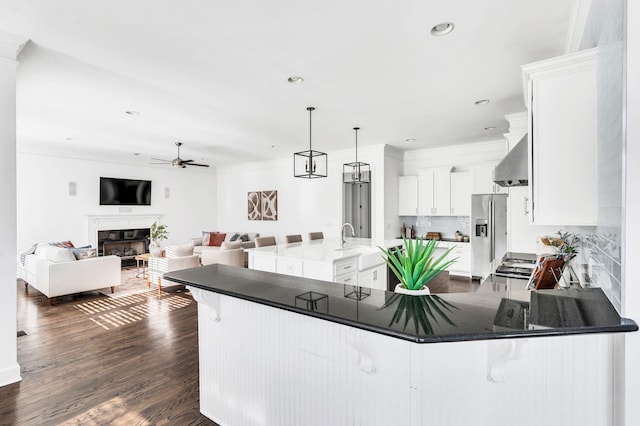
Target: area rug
(130, 284)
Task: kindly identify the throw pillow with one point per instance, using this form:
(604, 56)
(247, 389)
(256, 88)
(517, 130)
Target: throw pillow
(206, 237)
(217, 239)
(67, 244)
(179, 250)
(60, 254)
(244, 237)
(234, 237)
(229, 245)
(84, 252)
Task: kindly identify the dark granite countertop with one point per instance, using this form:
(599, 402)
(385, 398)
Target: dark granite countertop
(500, 309)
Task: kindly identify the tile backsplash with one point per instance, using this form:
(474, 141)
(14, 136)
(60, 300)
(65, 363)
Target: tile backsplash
(446, 225)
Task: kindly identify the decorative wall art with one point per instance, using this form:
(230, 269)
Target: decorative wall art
(269, 205)
(262, 205)
(254, 204)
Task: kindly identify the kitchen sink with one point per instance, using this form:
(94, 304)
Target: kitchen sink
(369, 258)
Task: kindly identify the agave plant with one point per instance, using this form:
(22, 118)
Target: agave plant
(417, 265)
(421, 310)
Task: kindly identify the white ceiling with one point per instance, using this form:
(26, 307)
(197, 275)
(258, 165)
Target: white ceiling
(213, 74)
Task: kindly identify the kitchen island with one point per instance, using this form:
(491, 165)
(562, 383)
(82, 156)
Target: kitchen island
(358, 261)
(277, 349)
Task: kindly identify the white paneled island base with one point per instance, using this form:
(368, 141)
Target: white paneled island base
(260, 365)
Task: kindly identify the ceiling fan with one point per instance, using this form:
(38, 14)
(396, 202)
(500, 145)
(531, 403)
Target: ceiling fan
(179, 162)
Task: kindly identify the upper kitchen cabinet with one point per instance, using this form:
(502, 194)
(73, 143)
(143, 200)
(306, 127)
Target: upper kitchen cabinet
(461, 185)
(407, 195)
(434, 192)
(483, 180)
(562, 101)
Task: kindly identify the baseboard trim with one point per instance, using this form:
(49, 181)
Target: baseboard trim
(10, 375)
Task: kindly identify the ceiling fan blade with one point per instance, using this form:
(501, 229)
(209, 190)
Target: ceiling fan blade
(162, 163)
(160, 159)
(196, 164)
(187, 161)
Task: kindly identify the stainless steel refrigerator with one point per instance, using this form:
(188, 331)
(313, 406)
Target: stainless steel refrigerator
(488, 232)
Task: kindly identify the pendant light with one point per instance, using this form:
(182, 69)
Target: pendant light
(310, 164)
(356, 172)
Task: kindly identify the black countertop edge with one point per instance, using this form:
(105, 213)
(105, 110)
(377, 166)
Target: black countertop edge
(626, 325)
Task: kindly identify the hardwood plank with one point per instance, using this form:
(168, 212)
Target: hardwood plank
(75, 371)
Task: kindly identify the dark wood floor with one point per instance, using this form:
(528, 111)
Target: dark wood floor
(75, 371)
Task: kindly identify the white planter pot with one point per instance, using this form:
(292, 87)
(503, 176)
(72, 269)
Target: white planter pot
(154, 249)
(403, 290)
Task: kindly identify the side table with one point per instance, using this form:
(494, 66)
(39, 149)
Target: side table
(142, 260)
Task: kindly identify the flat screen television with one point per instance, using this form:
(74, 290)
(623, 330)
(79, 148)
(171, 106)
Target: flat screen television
(124, 192)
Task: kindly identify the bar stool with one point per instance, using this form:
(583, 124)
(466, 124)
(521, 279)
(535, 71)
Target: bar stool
(265, 241)
(316, 236)
(297, 238)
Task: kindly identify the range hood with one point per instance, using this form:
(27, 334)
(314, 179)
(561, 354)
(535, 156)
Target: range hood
(513, 169)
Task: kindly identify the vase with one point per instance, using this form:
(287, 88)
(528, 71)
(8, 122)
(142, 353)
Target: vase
(154, 248)
(424, 291)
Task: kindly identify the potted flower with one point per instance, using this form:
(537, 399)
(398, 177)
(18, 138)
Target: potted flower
(417, 265)
(157, 234)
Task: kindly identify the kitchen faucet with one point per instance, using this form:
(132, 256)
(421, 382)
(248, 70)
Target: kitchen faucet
(353, 233)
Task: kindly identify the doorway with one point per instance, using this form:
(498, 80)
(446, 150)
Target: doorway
(356, 207)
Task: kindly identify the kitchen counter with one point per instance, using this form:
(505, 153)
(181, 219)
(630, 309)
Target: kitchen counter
(328, 249)
(487, 314)
(288, 347)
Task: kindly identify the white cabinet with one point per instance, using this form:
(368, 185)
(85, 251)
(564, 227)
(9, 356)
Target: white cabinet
(561, 94)
(461, 194)
(288, 266)
(375, 277)
(434, 192)
(262, 262)
(483, 180)
(407, 195)
(461, 251)
(462, 266)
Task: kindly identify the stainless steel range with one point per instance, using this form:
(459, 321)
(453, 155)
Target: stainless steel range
(516, 265)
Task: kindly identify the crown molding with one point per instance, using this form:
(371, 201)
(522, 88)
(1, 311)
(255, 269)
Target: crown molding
(579, 17)
(11, 45)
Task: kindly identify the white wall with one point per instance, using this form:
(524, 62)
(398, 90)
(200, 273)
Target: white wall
(459, 156)
(304, 205)
(393, 167)
(9, 368)
(46, 212)
(630, 370)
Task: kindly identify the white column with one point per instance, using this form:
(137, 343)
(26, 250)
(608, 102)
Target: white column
(10, 47)
(631, 295)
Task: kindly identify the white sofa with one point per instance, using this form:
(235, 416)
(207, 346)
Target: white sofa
(54, 271)
(210, 257)
(231, 253)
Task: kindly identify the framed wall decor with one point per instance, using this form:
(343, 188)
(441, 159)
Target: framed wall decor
(254, 205)
(269, 205)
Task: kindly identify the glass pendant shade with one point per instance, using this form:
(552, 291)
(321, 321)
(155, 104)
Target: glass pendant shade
(310, 164)
(356, 172)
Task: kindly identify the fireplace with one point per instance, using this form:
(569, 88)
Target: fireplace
(125, 243)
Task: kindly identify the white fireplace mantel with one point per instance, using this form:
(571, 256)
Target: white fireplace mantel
(118, 221)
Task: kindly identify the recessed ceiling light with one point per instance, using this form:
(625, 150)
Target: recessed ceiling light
(136, 153)
(410, 140)
(132, 112)
(443, 28)
(274, 146)
(295, 79)
(69, 139)
(482, 102)
(490, 127)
